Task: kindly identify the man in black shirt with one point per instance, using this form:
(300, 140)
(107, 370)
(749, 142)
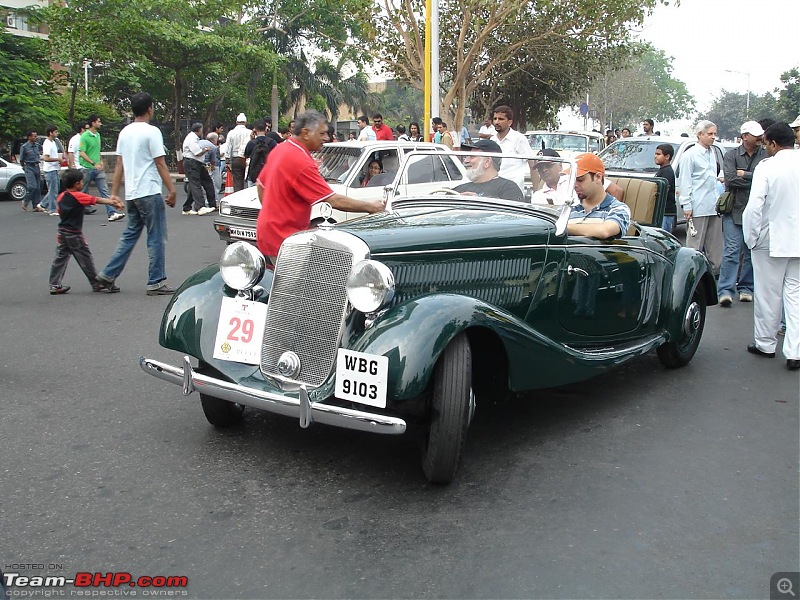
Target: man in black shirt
(482, 172)
(664, 154)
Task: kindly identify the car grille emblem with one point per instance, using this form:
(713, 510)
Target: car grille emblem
(289, 365)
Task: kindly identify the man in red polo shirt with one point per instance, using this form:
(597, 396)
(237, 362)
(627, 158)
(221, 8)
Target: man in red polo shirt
(382, 132)
(290, 183)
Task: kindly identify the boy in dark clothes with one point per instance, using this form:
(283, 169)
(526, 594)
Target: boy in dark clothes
(664, 154)
(71, 242)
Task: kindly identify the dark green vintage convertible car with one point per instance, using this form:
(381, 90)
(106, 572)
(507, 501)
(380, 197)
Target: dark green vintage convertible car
(420, 314)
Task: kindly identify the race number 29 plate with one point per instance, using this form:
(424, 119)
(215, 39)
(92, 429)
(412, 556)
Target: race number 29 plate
(361, 377)
(240, 331)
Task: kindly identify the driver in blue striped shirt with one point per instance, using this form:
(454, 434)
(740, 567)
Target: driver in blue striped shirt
(599, 214)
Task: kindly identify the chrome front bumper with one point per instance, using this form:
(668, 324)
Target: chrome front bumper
(300, 408)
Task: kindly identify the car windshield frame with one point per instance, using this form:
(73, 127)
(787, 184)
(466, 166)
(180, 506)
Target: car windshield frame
(337, 162)
(558, 142)
(410, 159)
(634, 155)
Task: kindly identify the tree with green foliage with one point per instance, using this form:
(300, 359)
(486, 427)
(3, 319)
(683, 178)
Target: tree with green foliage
(728, 111)
(642, 88)
(789, 96)
(500, 40)
(401, 104)
(305, 35)
(27, 99)
(170, 41)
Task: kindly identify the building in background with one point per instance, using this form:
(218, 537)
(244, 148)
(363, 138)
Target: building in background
(15, 21)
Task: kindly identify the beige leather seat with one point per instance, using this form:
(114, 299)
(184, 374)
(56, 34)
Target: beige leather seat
(641, 197)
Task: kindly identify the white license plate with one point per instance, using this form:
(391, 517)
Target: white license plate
(361, 377)
(247, 234)
(240, 331)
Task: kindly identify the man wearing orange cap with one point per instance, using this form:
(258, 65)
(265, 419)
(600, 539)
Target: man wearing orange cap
(599, 214)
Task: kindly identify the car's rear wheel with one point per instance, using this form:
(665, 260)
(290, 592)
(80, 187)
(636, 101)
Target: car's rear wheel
(452, 405)
(221, 413)
(18, 190)
(678, 353)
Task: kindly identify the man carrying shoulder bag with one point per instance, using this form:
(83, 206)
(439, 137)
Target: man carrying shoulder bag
(738, 166)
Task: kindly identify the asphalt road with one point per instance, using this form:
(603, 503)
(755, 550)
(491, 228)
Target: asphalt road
(644, 483)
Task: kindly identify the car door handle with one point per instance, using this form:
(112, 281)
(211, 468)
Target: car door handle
(572, 270)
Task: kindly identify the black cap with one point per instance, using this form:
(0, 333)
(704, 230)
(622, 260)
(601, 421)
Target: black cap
(547, 152)
(484, 145)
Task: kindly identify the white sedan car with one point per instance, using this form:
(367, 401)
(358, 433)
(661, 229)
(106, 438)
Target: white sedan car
(345, 166)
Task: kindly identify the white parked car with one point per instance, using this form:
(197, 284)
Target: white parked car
(568, 144)
(345, 166)
(635, 156)
(12, 180)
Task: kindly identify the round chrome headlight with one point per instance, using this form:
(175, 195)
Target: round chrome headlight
(242, 265)
(370, 286)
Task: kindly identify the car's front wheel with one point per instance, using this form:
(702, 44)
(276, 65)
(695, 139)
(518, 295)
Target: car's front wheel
(452, 405)
(678, 353)
(18, 190)
(221, 413)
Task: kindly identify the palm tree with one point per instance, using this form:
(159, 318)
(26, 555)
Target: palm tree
(307, 78)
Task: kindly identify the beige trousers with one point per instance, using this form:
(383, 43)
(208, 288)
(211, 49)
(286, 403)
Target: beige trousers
(708, 240)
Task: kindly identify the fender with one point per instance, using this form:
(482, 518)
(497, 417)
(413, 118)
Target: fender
(691, 269)
(189, 324)
(413, 335)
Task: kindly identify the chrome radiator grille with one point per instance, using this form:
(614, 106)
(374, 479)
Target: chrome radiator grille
(307, 307)
(245, 213)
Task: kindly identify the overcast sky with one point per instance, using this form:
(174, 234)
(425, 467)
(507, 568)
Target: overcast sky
(706, 37)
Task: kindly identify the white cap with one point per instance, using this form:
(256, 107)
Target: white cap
(241, 118)
(752, 127)
(796, 122)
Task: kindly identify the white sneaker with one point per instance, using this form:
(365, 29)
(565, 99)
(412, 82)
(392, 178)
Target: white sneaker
(206, 209)
(190, 212)
(116, 216)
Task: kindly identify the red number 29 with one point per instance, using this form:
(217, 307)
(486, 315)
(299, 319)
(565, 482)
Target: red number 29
(246, 326)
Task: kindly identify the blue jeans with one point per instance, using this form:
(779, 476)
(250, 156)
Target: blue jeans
(49, 202)
(99, 179)
(734, 247)
(668, 223)
(146, 212)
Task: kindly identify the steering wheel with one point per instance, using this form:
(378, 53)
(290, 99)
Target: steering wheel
(447, 191)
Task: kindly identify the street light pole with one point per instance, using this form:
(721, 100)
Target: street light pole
(747, 108)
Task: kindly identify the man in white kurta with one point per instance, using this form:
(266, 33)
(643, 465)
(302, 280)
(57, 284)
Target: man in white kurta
(771, 228)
